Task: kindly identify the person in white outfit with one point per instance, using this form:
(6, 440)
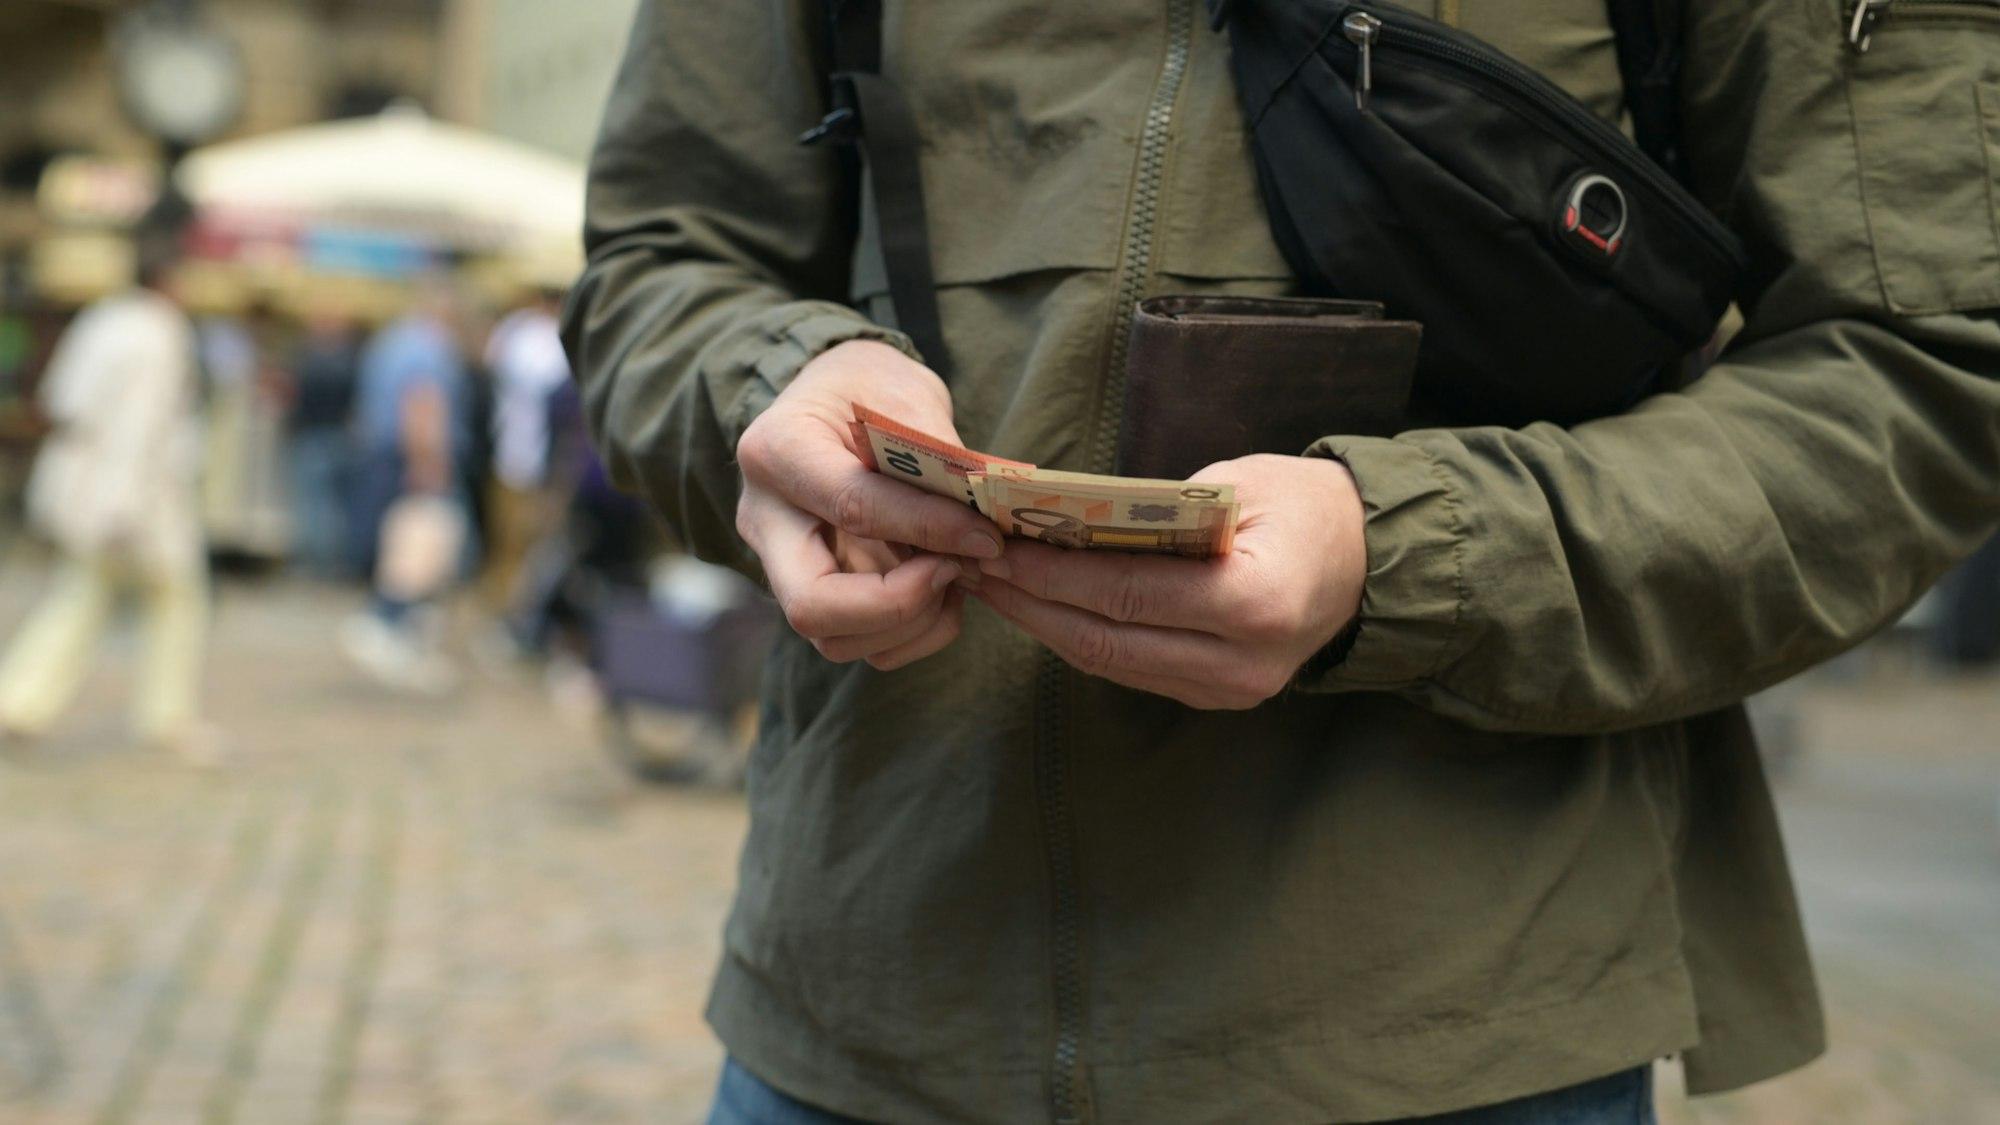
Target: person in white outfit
(116, 488)
(524, 353)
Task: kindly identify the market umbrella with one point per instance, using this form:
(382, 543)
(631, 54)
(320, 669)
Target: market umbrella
(399, 171)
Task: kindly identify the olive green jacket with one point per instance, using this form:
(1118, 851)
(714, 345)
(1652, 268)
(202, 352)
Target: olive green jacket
(1521, 836)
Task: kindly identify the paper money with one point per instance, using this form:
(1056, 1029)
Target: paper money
(931, 463)
(1075, 510)
(1083, 510)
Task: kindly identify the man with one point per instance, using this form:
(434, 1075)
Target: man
(525, 356)
(1093, 849)
(412, 430)
(115, 487)
(321, 443)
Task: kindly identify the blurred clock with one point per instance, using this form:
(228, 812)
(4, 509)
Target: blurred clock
(181, 80)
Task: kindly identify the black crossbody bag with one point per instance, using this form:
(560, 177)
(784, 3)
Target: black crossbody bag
(1559, 271)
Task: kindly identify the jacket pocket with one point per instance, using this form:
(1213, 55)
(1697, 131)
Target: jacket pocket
(1927, 138)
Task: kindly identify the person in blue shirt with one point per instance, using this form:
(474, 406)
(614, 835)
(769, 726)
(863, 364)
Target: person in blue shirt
(412, 432)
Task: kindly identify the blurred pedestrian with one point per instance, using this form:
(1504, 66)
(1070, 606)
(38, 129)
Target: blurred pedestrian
(243, 475)
(321, 446)
(525, 358)
(474, 458)
(600, 542)
(412, 431)
(116, 488)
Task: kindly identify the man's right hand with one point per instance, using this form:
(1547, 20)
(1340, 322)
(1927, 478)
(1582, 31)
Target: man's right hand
(836, 539)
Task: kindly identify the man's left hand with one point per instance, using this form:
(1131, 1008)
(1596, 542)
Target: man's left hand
(1222, 633)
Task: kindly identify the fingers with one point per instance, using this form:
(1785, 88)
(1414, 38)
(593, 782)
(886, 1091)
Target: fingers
(809, 466)
(856, 555)
(1057, 627)
(942, 632)
(1136, 655)
(1211, 595)
(847, 605)
(821, 601)
(842, 650)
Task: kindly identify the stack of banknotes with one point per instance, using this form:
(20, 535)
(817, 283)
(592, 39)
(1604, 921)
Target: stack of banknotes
(1077, 510)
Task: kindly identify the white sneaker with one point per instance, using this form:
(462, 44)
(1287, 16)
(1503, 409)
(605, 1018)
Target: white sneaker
(366, 641)
(395, 659)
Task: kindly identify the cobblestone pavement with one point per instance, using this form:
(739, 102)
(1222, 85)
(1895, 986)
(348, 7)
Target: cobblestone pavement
(387, 911)
(390, 911)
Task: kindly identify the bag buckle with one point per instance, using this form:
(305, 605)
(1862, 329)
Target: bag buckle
(842, 123)
(1596, 213)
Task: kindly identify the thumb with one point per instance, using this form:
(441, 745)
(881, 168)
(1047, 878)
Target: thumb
(1243, 474)
(1222, 472)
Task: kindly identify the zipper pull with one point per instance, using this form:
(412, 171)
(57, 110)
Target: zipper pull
(1861, 29)
(1362, 29)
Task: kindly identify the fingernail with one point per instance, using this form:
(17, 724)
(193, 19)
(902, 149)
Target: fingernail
(996, 568)
(969, 581)
(945, 576)
(980, 545)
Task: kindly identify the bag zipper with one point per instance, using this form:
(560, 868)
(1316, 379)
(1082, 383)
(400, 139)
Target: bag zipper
(1362, 30)
(1867, 14)
(1370, 28)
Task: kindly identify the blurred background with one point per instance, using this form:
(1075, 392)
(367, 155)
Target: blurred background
(365, 757)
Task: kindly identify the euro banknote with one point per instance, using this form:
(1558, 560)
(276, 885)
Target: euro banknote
(1064, 509)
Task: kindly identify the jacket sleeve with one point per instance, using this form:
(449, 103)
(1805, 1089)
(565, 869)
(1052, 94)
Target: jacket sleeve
(717, 246)
(1841, 454)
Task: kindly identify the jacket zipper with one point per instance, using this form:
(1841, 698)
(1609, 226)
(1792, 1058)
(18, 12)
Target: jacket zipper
(1068, 1092)
(1866, 15)
(1369, 29)
(1066, 954)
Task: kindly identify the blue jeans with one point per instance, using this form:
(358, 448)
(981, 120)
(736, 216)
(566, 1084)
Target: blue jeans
(1625, 1098)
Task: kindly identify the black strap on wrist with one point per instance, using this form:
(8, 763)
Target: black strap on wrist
(1331, 655)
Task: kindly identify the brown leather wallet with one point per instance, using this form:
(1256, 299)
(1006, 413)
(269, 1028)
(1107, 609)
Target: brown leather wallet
(1212, 378)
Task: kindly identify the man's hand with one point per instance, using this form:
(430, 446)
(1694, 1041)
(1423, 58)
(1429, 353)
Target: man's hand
(836, 539)
(1224, 633)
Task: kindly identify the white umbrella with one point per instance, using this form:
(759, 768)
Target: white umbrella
(399, 171)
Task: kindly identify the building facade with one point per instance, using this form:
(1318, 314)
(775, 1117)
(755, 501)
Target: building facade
(303, 61)
(544, 69)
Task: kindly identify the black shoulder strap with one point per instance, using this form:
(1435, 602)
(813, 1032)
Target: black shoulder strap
(1649, 60)
(867, 111)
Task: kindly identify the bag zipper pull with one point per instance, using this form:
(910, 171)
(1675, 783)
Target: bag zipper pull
(1861, 30)
(1362, 29)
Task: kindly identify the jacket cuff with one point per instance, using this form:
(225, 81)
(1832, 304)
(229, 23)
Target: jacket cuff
(795, 340)
(1415, 597)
